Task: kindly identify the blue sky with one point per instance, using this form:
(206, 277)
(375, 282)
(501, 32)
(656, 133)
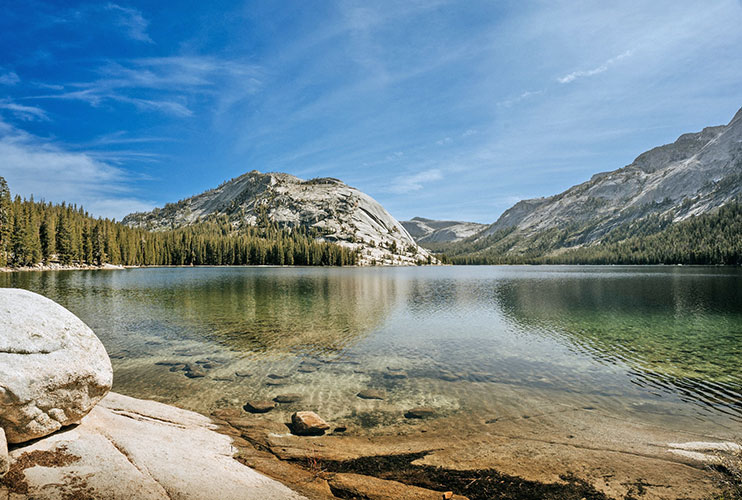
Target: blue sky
(440, 109)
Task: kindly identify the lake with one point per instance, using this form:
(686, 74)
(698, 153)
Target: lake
(653, 344)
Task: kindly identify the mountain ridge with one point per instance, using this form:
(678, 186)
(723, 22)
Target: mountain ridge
(338, 212)
(694, 175)
(440, 231)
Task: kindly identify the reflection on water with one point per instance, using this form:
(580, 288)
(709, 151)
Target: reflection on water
(677, 331)
(462, 338)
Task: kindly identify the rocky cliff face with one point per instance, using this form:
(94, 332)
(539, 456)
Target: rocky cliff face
(440, 231)
(341, 213)
(695, 174)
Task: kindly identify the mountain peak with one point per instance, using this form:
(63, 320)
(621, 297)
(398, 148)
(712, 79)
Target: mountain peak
(336, 211)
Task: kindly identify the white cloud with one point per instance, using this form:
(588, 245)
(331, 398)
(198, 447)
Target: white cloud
(414, 182)
(22, 112)
(523, 96)
(33, 166)
(165, 84)
(595, 71)
(132, 21)
(9, 78)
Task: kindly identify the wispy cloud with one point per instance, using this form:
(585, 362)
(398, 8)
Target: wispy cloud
(521, 97)
(22, 112)
(132, 21)
(164, 84)
(594, 71)
(33, 165)
(9, 78)
(408, 183)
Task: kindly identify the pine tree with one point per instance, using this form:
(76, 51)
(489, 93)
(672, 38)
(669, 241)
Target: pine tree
(47, 234)
(6, 221)
(65, 249)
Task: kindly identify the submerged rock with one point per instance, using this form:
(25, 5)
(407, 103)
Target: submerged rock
(288, 398)
(308, 423)
(371, 394)
(419, 412)
(53, 369)
(260, 406)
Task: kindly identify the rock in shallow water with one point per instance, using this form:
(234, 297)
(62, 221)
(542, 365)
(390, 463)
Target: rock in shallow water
(259, 406)
(288, 398)
(53, 369)
(308, 423)
(419, 412)
(371, 394)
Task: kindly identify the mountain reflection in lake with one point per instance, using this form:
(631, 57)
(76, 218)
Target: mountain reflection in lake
(464, 337)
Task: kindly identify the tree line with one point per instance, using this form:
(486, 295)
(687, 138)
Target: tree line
(34, 232)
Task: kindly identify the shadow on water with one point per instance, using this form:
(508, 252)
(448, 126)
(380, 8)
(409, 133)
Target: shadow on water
(677, 331)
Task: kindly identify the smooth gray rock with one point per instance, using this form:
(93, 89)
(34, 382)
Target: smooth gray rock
(53, 369)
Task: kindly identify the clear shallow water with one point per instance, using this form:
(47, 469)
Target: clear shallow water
(651, 343)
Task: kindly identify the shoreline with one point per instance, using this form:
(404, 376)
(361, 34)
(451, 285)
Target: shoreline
(525, 460)
(117, 267)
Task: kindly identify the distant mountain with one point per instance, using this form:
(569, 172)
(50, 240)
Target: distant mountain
(338, 212)
(440, 231)
(695, 175)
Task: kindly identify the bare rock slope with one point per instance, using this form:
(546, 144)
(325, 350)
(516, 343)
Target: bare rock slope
(440, 231)
(694, 175)
(341, 213)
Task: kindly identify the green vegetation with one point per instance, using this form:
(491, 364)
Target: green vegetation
(37, 232)
(712, 238)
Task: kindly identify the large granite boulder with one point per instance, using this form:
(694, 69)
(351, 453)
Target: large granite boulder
(53, 369)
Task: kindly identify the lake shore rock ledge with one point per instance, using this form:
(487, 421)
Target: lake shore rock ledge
(69, 437)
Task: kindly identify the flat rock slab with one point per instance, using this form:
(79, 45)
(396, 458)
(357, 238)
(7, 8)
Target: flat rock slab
(128, 448)
(371, 394)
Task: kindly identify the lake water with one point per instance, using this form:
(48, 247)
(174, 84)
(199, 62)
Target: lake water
(655, 344)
